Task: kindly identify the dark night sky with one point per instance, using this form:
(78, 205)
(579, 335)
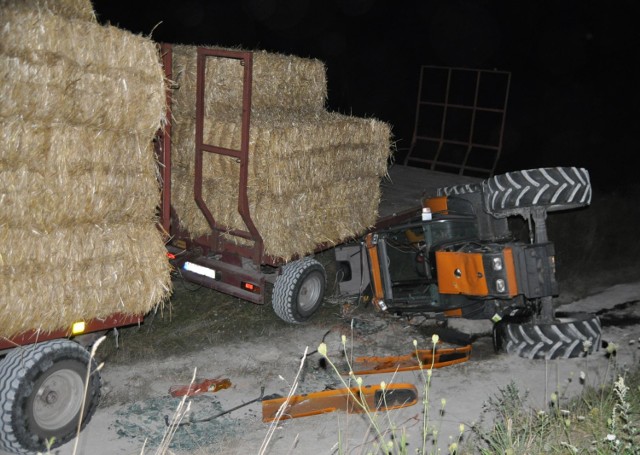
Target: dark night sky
(574, 64)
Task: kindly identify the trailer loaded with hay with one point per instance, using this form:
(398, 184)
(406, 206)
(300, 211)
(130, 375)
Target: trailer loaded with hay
(254, 177)
(259, 176)
(262, 177)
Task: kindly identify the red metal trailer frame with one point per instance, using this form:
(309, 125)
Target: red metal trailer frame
(92, 325)
(244, 270)
(241, 270)
(213, 251)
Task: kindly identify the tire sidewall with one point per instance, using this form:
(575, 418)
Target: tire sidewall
(34, 364)
(286, 291)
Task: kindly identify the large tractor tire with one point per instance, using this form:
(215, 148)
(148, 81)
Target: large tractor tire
(557, 188)
(570, 335)
(41, 395)
(299, 290)
(467, 188)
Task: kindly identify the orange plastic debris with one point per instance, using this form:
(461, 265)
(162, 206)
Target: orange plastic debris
(425, 359)
(208, 385)
(371, 397)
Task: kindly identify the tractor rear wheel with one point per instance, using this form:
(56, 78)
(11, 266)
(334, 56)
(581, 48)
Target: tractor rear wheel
(554, 188)
(569, 335)
(467, 188)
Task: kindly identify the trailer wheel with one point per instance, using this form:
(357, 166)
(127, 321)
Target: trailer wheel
(570, 335)
(41, 394)
(557, 188)
(299, 290)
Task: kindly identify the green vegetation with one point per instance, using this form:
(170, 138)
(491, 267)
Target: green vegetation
(600, 420)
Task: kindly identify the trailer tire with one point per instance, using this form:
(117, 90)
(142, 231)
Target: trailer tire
(299, 290)
(555, 188)
(41, 392)
(570, 335)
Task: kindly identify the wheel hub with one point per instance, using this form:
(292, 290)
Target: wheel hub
(310, 292)
(59, 399)
(50, 397)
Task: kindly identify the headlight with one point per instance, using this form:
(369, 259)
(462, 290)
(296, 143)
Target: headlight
(496, 263)
(500, 287)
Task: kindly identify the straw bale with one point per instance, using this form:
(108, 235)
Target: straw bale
(79, 107)
(59, 146)
(70, 9)
(56, 89)
(48, 167)
(50, 280)
(297, 225)
(82, 195)
(280, 81)
(33, 37)
(313, 175)
(312, 179)
(325, 145)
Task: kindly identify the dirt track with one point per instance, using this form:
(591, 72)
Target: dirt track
(136, 395)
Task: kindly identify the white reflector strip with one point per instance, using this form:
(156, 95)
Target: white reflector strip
(200, 270)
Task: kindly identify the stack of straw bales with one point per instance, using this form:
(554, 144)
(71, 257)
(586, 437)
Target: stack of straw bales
(79, 106)
(314, 176)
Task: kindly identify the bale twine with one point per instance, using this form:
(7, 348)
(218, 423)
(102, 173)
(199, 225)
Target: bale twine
(79, 106)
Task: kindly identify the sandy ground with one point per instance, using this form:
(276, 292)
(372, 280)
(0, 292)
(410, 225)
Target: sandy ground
(131, 418)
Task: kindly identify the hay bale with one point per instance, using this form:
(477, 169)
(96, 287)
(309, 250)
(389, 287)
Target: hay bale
(59, 146)
(47, 166)
(79, 107)
(95, 47)
(313, 175)
(69, 94)
(280, 82)
(69, 9)
(52, 279)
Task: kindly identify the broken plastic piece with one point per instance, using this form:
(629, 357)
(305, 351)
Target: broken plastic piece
(373, 398)
(208, 385)
(425, 359)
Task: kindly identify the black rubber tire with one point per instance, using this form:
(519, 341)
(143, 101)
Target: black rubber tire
(41, 390)
(459, 189)
(299, 290)
(564, 338)
(557, 188)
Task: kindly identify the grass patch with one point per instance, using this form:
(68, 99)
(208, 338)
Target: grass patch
(603, 419)
(196, 318)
